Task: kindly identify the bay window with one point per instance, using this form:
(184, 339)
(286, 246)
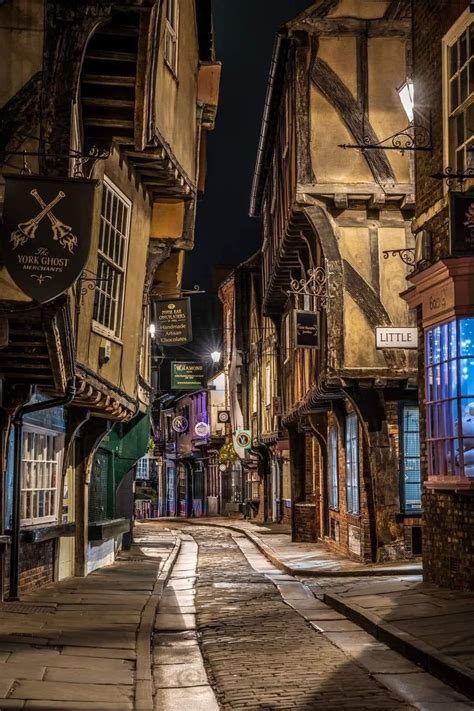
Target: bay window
(450, 401)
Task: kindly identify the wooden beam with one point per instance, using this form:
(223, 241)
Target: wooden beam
(339, 96)
(305, 173)
(344, 26)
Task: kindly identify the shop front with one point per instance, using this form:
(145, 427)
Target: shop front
(443, 295)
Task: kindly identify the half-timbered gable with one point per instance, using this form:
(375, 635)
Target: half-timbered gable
(334, 189)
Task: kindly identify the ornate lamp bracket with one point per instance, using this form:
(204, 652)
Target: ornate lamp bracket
(407, 256)
(412, 138)
(315, 286)
(454, 179)
(90, 280)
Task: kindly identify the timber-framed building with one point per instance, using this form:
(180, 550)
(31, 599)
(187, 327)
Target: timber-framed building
(329, 217)
(122, 93)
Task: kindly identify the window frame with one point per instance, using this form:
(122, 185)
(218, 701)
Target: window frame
(451, 38)
(58, 438)
(172, 36)
(352, 465)
(116, 332)
(403, 458)
(333, 468)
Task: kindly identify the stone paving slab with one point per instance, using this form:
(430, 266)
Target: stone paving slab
(80, 650)
(89, 676)
(197, 698)
(66, 661)
(77, 706)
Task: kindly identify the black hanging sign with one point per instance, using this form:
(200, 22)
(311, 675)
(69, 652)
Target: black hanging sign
(462, 223)
(172, 319)
(306, 329)
(46, 232)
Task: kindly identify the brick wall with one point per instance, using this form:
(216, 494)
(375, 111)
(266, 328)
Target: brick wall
(431, 21)
(36, 566)
(448, 550)
(305, 523)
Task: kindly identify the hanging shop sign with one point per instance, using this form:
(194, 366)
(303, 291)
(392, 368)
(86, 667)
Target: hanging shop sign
(223, 416)
(186, 375)
(172, 321)
(243, 439)
(46, 232)
(180, 424)
(462, 223)
(201, 429)
(306, 329)
(396, 337)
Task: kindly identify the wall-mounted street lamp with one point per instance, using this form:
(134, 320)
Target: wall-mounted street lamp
(411, 138)
(406, 92)
(216, 356)
(152, 330)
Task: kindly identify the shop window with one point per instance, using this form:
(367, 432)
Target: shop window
(450, 399)
(112, 260)
(352, 465)
(40, 476)
(333, 469)
(171, 35)
(460, 94)
(410, 459)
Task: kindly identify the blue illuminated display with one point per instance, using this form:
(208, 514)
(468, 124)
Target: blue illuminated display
(450, 398)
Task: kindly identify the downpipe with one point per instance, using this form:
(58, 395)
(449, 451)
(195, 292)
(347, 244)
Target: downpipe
(18, 432)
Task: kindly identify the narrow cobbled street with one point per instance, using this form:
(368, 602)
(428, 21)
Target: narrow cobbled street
(268, 643)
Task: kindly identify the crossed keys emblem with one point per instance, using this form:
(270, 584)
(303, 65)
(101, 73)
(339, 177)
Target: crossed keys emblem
(62, 233)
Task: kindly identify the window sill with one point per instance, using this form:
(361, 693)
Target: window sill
(402, 517)
(459, 484)
(102, 331)
(38, 534)
(104, 530)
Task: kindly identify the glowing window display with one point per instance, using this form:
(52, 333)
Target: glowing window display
(450, 398)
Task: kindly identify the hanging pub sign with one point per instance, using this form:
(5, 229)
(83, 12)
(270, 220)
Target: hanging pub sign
(46, 232)
(186, 375)
(243, 438)
(172, 320)
(462, 223)
(306, 329)
(180, 424)
(201, 429)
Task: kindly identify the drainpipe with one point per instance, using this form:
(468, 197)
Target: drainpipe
(18, 430)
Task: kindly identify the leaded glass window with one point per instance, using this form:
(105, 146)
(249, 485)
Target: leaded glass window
(410, 458)
(352, 465)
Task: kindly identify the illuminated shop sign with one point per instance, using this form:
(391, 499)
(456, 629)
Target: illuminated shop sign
(172, 321)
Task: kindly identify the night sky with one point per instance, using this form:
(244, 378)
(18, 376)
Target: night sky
(225, 234)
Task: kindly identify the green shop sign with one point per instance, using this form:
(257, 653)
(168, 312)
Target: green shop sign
(187, 375)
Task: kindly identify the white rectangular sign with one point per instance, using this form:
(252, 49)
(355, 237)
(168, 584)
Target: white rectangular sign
(396, 337)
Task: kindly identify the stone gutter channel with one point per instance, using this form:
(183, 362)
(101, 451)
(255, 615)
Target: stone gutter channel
(144, 683)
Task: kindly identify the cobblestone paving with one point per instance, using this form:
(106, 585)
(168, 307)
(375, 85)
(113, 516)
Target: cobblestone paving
(259, 653)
